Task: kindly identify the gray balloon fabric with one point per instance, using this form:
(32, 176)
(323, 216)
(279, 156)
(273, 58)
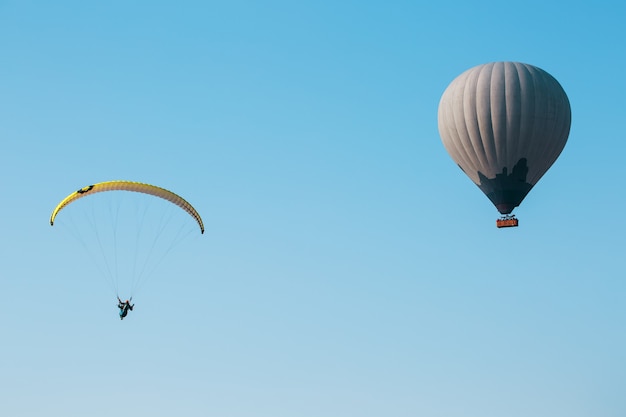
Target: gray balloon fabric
(504, 124)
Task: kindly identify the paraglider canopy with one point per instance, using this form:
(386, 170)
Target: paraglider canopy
(504, 124)
(132, 186)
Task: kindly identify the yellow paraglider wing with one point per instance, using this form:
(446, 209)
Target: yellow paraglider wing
(137, 187)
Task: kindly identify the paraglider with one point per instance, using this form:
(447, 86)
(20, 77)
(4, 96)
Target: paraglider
(121, 237)
(125, 307)
(504, 124)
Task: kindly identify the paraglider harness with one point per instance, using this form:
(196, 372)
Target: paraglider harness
(124, 306)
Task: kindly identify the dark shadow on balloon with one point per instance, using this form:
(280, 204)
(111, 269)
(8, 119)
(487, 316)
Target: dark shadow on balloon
(506, 191)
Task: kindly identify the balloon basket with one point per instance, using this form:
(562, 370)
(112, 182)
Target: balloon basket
(507, 221)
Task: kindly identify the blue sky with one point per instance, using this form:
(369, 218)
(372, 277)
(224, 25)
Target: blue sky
(349, 268)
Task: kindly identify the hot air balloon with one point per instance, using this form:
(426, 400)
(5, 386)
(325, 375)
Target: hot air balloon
(504, 124)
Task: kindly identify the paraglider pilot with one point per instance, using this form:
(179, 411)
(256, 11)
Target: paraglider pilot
(124, 306)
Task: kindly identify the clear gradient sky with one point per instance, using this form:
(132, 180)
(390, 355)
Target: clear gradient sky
(349, 268)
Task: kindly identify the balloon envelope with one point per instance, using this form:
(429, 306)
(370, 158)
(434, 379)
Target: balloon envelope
(504, 124)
